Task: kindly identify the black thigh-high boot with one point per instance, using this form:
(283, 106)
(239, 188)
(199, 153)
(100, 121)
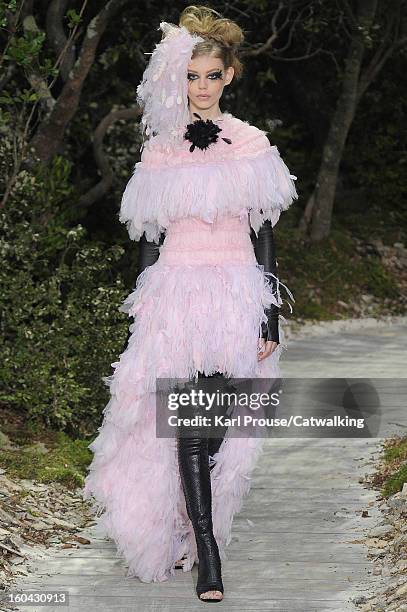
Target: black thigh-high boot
(196, 482)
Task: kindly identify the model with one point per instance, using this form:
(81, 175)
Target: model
(202, 201)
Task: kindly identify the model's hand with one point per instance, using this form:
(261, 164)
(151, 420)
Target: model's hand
(265, 348)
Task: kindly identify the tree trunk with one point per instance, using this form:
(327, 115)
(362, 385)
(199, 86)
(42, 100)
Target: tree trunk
(50, 134)
(324, 192)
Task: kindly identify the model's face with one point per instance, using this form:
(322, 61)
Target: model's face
(206, 79)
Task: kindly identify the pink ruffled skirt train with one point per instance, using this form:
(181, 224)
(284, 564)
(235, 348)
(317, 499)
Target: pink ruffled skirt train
(198, 308)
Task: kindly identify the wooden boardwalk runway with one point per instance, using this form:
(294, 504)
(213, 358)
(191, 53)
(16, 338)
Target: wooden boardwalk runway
(294, 546)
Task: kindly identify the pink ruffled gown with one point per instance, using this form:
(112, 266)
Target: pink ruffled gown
(198, 308)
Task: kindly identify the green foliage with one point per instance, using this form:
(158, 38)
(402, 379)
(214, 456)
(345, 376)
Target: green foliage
(264, 77)
(392, 473)
(73, 18)
(320, 274)
(398, 452)
(59, 296)
(64, 460)
(6, 7)
(23, 49)
(395, 483)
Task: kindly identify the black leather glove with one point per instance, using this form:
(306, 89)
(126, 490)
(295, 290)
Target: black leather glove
(148, 255)
(264, 249)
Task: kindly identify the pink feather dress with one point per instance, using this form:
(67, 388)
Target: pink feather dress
(205, 285)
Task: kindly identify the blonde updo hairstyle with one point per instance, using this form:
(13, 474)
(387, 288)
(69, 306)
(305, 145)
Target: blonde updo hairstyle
(222, 36)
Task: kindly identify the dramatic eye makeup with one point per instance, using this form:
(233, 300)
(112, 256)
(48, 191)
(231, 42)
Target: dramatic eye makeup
(213, 76)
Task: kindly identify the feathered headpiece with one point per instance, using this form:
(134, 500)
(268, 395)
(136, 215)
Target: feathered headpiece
(163, 91)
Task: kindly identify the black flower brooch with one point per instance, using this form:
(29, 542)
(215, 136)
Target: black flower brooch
(203, 133)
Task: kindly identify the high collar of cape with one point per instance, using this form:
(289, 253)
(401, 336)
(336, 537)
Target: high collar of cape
(247, 176)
